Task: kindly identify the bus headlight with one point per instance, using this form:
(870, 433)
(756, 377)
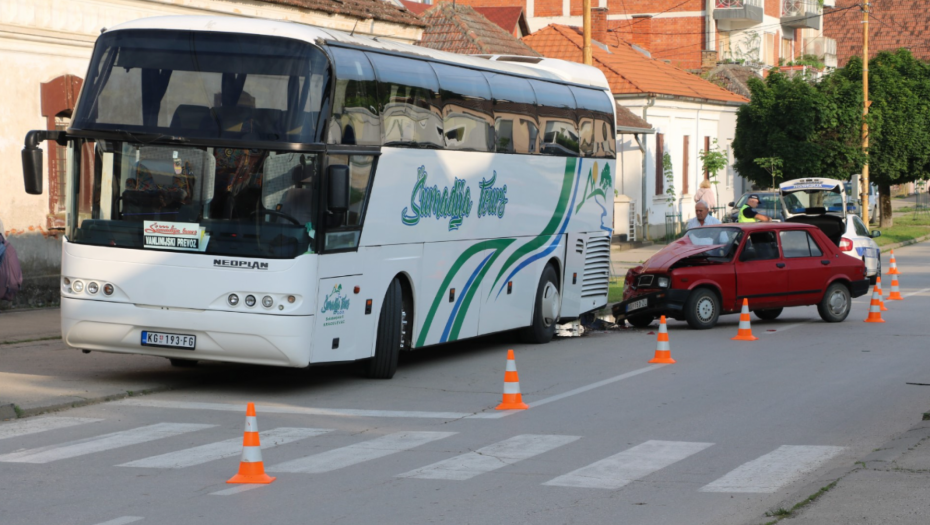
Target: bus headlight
(93, 287)
(108, 289)
(267, 301)
(250, 300)
(77, 286)
(233, 299)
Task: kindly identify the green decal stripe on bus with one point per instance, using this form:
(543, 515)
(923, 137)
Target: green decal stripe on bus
(556, 219)
(495, 244)
(460, 318)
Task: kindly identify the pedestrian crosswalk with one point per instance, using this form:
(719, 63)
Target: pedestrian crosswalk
(767, 473)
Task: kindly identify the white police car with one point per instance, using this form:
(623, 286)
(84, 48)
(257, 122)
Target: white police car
(822, 202)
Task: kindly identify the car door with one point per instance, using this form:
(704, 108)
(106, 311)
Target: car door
(761, 274)
(808, 270)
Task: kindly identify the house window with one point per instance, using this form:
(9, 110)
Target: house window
(58, 165)
(660, 165)
(58, 99)
(706, 149)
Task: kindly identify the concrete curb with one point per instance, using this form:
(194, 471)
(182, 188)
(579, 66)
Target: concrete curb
(56, 407)
(7, 411)
(905, 243)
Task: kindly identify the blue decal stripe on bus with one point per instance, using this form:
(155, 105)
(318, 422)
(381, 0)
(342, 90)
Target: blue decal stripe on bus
(458, 302)
(555, 242)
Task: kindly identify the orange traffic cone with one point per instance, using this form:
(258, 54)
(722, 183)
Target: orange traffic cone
(251, 468)
(875, 313)
(745, 331)
(663, 352)
(878, 288)
(894, 266)
(513, 399)
(895, 294)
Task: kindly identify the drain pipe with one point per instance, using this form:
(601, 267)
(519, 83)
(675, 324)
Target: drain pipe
(644, 210)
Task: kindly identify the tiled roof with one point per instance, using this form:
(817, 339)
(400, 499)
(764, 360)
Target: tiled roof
(416, 8)
(893, 24)
(458, 28)
(506, 17)
(627, 70)
(628, 119)
(364, 9)
(732, 77)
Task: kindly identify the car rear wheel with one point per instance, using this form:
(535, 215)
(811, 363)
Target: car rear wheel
(770, 314)
(640, 321)
(834, 307)
(702, 309)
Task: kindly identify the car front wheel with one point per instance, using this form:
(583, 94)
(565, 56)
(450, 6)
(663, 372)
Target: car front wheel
(834, 307)
(702, 309)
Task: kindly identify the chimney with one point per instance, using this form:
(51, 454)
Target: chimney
(599, 24)
(641, 29)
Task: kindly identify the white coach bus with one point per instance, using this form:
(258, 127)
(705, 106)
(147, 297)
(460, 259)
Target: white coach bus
(266, 192)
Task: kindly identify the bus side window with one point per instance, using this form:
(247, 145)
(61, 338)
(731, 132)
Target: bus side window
(595, 108)
(356, 118)
(343, 229)
(409, 94)
(466, 108)
(515, 124)
(557, 119)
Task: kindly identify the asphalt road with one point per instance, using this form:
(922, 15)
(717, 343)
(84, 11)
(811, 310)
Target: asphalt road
(731, 431)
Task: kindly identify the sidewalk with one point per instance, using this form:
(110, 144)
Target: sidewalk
(623, 260)
(39, 373)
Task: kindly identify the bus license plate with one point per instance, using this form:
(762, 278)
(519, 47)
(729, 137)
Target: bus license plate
(636, 305)
(169, 340)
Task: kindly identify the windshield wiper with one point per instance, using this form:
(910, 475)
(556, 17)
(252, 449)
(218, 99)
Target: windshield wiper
(146, 138)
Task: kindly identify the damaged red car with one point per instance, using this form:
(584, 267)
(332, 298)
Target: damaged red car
(710, 270)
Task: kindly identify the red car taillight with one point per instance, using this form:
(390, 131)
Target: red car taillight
(846, 245)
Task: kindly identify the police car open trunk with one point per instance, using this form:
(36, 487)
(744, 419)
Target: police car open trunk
(816, 201)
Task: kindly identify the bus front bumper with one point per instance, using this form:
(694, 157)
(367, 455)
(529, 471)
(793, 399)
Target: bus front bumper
(253, 338)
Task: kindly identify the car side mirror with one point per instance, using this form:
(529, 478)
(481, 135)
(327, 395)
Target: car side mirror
(732, 204)
(876, 233)
(337, 181)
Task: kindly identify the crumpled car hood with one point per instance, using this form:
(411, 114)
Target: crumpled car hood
(674, 252)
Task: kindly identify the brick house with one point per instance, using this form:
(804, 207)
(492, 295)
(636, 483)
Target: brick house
(894, 24)
(458, 28)
(686, 112)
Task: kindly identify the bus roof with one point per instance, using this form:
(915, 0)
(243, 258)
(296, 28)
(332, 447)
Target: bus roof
(535, 67)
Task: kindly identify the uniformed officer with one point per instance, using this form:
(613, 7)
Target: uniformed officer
(747, 212)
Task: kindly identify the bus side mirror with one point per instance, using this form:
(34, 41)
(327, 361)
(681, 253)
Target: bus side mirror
(337, 181)
(32, 157)
(32, 170)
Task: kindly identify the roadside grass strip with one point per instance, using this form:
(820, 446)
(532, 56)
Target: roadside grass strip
(95, 444)
(769, 473)
(491, 457)
(43, 424)
(224, 449)
(628, 466)
(358, 453)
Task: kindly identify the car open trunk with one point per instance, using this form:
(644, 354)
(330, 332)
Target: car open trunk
(816, 201)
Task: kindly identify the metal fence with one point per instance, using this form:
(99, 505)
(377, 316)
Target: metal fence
(673, 227)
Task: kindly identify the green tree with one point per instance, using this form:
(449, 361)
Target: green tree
(812, 126)
(670, 196)
(713, 160)
(899, 120)
(772, 165)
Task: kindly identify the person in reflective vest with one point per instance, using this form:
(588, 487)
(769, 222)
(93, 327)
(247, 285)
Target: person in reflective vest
(747, 212)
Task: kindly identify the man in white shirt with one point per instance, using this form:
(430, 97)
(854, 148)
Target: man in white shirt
(701, 218)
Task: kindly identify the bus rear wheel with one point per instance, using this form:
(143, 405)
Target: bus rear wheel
(391, 331)
(545, 311)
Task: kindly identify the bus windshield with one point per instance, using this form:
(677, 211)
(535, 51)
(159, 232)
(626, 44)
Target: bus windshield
(205, 85)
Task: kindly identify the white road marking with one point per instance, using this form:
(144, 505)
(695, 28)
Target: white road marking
(237, 489)
(491, 457)
(774, 470)
(123, 520)
(557, 397)
(359, 452)
(101, 443)
(34, 426)
(918, 292)
(630, 465)
(278, 409)
(788, 327)
(224, 449)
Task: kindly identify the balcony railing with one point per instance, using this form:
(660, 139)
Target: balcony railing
(739, 10)
(823, 47)
(801, 14)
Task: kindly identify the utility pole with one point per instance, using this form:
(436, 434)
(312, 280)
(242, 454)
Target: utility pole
(587, 57)
(864, 190)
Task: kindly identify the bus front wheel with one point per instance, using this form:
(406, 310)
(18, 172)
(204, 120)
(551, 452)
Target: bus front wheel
(546, 309)
(390, 334)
